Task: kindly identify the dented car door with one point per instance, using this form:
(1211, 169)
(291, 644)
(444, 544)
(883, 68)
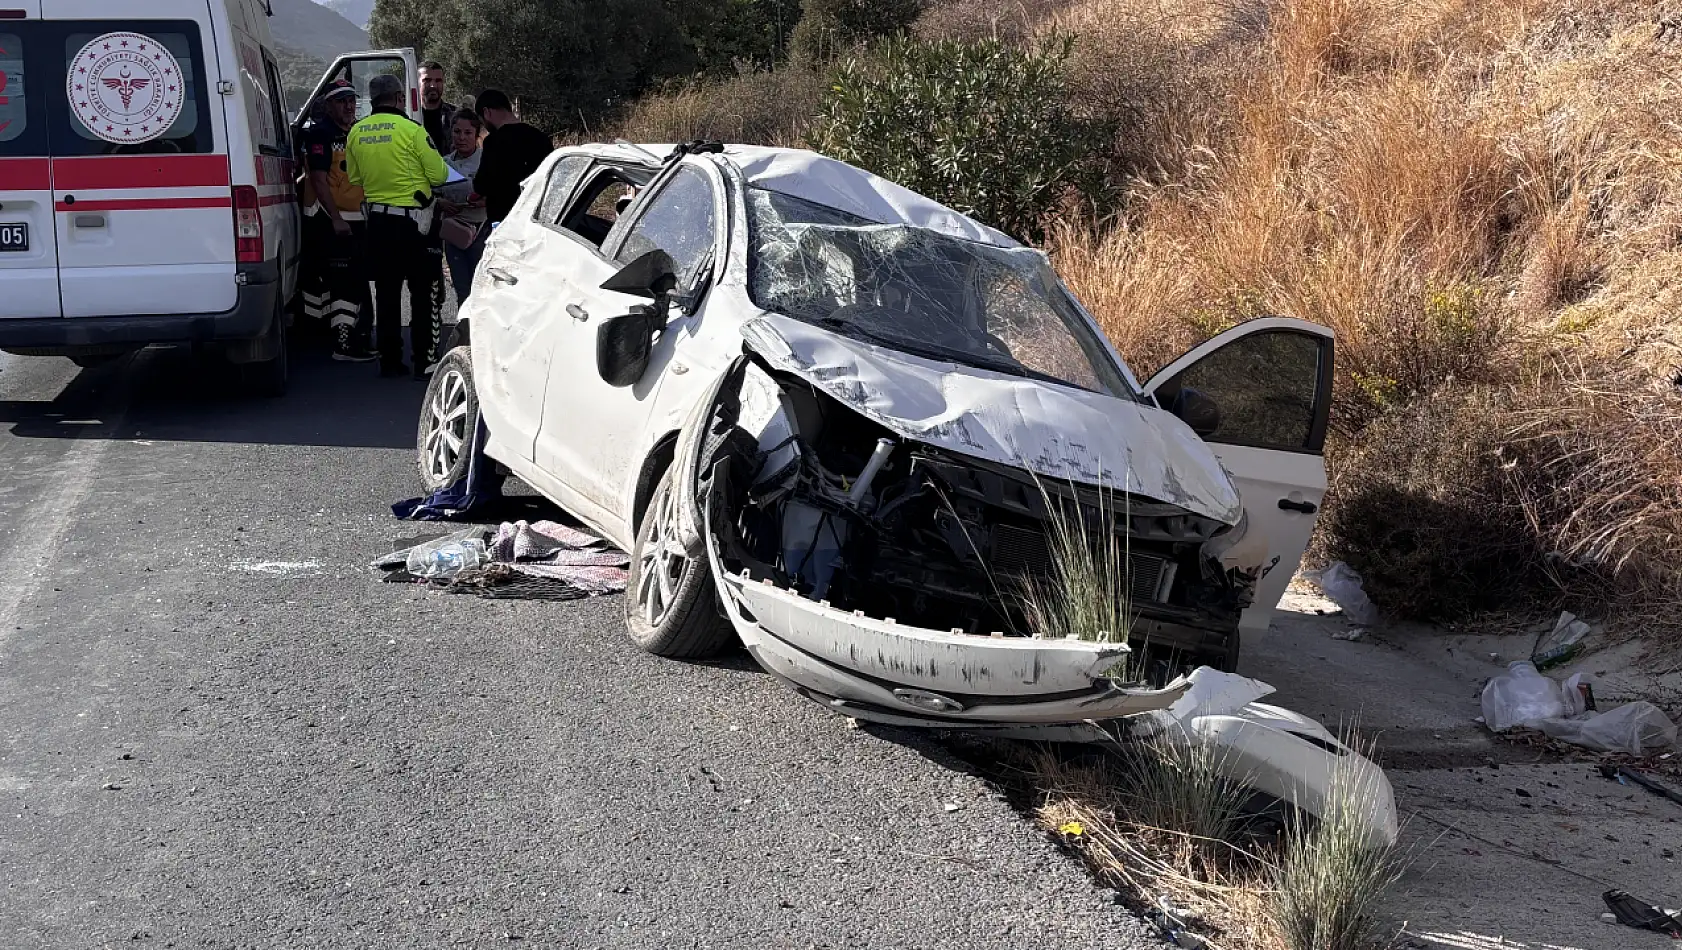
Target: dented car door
(514, 321)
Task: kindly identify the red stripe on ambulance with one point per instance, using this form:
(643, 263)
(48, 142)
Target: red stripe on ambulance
(25, 174)
(140, 171)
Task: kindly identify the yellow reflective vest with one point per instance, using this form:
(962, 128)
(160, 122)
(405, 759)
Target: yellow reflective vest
(390, 156)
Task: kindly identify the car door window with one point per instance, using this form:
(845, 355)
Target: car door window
(1273, 390)
(563, 177)
(678, 220)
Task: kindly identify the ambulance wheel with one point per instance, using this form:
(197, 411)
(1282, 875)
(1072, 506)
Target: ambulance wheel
(268, 378)
(449, 418)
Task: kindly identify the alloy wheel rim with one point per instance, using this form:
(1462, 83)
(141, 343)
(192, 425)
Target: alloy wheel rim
(446, 435)
(660, 565)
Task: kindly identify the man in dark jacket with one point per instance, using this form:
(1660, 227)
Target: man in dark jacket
(437, 115)
(513, 151)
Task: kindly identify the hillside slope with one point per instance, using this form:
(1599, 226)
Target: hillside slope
(356, 11)
(314, 30)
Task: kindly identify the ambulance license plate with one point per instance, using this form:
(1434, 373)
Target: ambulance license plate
(14, 236)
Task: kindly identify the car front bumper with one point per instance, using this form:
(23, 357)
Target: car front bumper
(879, 670)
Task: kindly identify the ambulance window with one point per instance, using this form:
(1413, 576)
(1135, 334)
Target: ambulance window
(360, 72)
(120, 96)
(21, 132)
(277, 108)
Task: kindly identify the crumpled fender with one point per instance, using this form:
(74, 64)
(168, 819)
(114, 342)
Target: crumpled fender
(687, 461)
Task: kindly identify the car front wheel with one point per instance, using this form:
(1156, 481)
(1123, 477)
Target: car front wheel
(449, 417)
(671, 609)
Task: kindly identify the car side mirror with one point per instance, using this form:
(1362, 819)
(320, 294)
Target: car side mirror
(1196, 410)
(652, 275)
(624, 345)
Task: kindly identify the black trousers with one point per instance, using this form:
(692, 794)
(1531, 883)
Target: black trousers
(400, 255)
(339, 272)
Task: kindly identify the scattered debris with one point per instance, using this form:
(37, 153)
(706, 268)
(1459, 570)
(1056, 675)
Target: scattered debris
(445, 558)
(1560, 644)
(1633, 728)
(539, 560)
(1342, 586)
(110, 787)
(1524, 697)
(1353, 634)
(1521, 696)
(1624, 775)
(1641, 915)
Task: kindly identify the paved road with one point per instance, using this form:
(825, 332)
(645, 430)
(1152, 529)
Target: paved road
(218, 730)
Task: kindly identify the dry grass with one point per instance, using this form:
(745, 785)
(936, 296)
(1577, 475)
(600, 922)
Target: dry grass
(1158, 821)
(1088, 595)
(1484, 199)
(1327, 882)
(766, 108)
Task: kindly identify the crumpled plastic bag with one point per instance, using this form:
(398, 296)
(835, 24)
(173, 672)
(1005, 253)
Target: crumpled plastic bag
(1636, 728)
(1342, 586)
(1521, 697)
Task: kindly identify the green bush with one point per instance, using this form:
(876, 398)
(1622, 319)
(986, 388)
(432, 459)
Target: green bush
(984, 127)
(831, 28)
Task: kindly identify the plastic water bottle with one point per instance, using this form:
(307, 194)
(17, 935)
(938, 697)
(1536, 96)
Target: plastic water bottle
(446, 558)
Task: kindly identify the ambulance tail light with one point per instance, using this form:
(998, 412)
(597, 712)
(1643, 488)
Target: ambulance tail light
(248, 225)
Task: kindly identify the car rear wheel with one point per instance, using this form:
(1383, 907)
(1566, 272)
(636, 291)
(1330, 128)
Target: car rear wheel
(671, 607)
(449, 417)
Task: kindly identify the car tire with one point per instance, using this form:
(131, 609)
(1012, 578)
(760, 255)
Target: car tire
(671, 605)
(448, 419)
(268, 378)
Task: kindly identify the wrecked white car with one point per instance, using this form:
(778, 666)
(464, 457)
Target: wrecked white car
(836, 420)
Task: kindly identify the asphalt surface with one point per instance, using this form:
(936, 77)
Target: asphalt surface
(218, 729)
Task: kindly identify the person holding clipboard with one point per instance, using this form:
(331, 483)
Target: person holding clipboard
(462, 210)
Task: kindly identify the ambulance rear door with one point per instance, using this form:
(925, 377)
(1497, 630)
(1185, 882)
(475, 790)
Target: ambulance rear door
(359, 69)
(142, 194)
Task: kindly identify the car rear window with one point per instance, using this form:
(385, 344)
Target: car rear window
(190, 133)
(22, 133)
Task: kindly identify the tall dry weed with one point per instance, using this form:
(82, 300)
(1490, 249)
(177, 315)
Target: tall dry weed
(1484, 200)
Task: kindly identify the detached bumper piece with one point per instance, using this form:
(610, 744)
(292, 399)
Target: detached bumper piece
(879, 670)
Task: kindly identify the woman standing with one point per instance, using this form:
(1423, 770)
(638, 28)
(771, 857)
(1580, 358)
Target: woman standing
(464, 211)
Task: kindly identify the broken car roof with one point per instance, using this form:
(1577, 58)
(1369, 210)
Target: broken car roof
(812, 177)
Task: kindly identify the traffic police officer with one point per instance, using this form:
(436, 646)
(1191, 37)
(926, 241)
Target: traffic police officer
(389, 156)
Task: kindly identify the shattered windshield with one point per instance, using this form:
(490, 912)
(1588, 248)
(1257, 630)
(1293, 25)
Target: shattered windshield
(922, 292)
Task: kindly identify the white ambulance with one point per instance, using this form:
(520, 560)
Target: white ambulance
(148, 180)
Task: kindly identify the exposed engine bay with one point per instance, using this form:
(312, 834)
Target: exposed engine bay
(834, 507)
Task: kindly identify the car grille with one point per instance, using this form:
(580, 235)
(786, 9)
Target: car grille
(1026, 553)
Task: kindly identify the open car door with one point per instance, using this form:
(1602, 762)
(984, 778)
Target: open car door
(358, 69)
(1271, 380)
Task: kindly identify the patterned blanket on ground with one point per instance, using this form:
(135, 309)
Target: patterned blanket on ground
(538, 560)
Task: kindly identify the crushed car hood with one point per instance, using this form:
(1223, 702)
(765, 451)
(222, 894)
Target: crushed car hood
(1054, 431)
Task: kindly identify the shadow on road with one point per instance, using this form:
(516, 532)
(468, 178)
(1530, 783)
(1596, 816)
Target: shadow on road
(171, 395)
